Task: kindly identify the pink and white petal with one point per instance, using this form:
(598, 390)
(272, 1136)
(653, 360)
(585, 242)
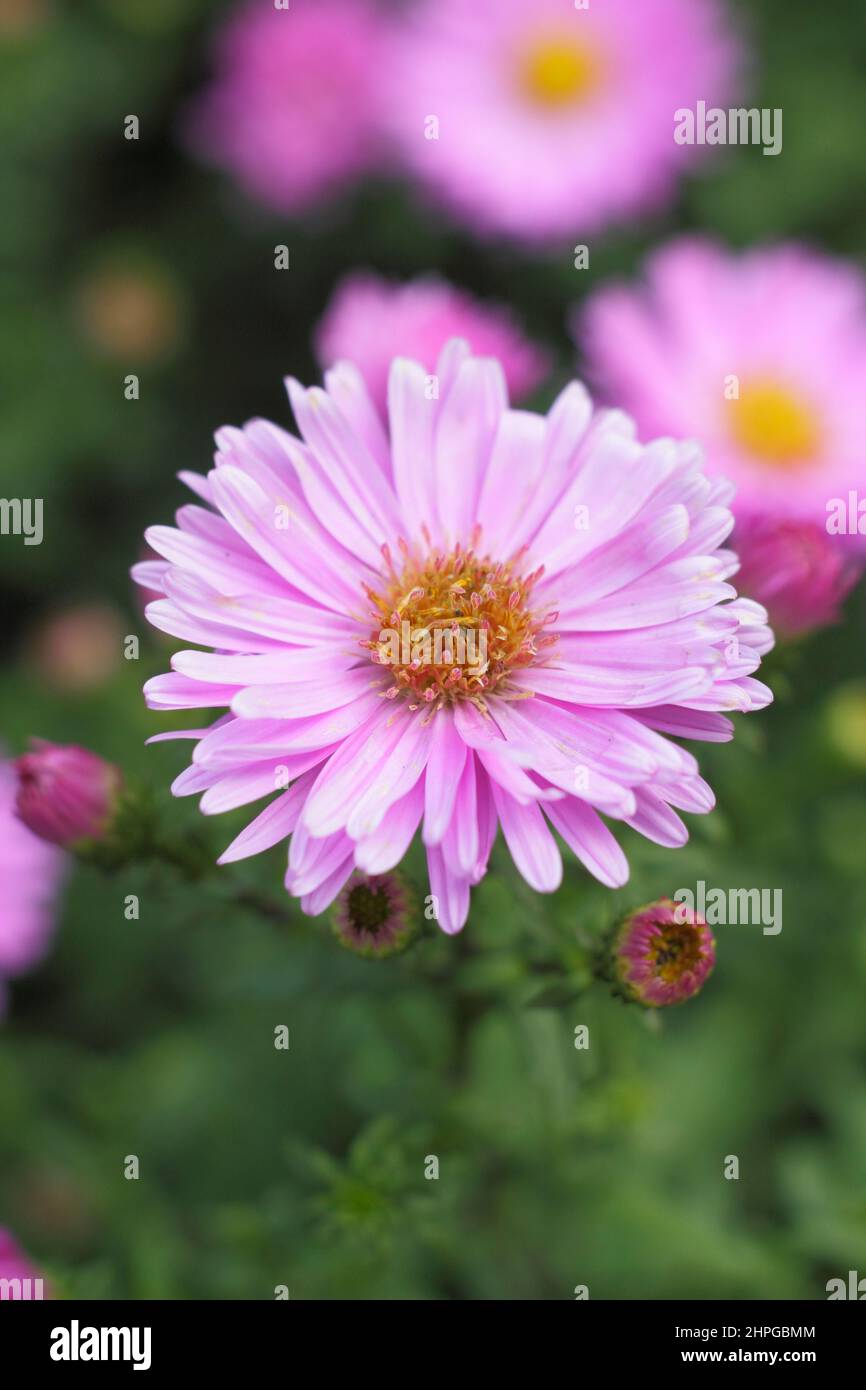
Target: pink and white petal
(300, 554)
(595, 686)
(688, 794)
(167, 617)
(323, 857)
(351, 769)
(173, 691)
(450, 892)
(465, 429)
(685, 723)
(445, 764)
(529, 840)
(282, 619)
(589, 838)
(462, 842)
(507, 775)
(197, 483)
(313, 904)
(396, 775)
(412, 416)
(252, 783)
(384, 849)
(347, 388)
(511, 480)
(626, 558)
(302, 698)
(273, 824)
(672, 591)
(282, 666)
(343, 456)
(656, 821)
(227, 571)
(332, 727)
(565, 429)
(331, 508)
(151, 574)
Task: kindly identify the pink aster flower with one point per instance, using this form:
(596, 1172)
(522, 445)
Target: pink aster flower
(541, 120)
(14, 1264)
(663, 954)
(370, 321)
(30, 873)
(66, 795)
(291, 111)
(762, 356)
(479, 618)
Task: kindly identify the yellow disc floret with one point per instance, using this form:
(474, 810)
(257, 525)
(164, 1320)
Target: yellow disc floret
(453, 624)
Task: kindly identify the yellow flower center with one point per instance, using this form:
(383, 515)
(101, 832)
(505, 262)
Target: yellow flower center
(775, 425)
(676, 950)
(451, 625)
(558, 72)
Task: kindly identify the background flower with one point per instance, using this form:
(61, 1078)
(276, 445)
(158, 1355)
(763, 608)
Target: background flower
(30, 873)
(797, 570)
(546, 120)
(783, 327)
(290, 109)
(370, 321)
(762, 356)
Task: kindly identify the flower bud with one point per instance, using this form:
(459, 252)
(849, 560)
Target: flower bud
(67, 795)
(662, 954)
(799, 573)
(372, 915)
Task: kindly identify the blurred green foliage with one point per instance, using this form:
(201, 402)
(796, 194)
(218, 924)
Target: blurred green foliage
(306, 1167)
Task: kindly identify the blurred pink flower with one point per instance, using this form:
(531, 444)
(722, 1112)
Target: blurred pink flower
(14, 1264)
(783, 326)
(30, 873)
(761, 355)
(582, 572)
(290, 111)
(795, 570)
(78, 649)
(663, 955)
(544, 120)
(370, 321)
(66, 795)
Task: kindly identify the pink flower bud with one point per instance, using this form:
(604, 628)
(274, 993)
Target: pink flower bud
(66, 795)
(663, 953)
(796, 570)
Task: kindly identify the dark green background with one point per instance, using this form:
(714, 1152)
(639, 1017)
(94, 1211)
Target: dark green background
(557, 1167)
